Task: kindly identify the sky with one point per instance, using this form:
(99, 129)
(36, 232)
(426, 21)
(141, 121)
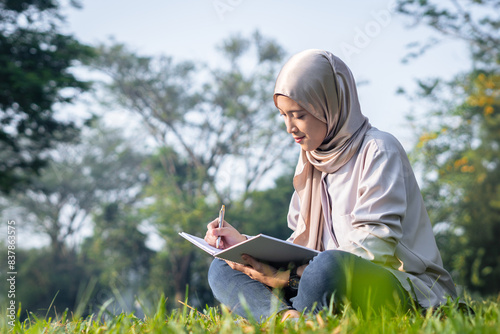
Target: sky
(367, 34)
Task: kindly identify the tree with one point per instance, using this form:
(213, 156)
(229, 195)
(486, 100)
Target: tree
(79, 179)
(35, 77)
(459, 143)
(218, 134)
(102, 177)
(220, 120)
(116, 254)
(265, 211)
(176, 205)
(459, 157)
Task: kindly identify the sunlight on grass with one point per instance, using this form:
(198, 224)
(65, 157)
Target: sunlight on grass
(187, 319)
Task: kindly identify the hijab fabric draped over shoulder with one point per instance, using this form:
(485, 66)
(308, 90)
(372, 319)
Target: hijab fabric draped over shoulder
(323, 85)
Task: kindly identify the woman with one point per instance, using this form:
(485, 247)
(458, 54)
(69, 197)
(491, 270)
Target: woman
(356, 200)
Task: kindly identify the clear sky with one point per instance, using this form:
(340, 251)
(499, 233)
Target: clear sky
(367, 34)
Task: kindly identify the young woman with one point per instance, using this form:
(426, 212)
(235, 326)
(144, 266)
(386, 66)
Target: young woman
(356, 200)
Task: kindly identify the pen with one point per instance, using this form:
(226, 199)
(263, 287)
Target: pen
(221, 219)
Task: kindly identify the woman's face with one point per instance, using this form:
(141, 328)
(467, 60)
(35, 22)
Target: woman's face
(307, 130)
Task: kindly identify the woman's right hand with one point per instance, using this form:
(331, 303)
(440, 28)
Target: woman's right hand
(229, 235)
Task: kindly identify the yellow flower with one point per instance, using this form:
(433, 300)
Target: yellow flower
(490, 84)
(472, 100)
(461, 162)
(488, 110)
(424, 138)
(467, 169)
(482, 100)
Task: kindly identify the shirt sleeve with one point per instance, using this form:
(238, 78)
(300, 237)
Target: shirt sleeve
(293, 214)
(380, 206)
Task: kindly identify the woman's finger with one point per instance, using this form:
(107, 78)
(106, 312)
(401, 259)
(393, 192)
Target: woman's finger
(250, 261)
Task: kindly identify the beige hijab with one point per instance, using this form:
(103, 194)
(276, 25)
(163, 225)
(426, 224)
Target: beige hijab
(324, 86)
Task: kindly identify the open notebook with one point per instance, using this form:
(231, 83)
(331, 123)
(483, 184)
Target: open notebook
(262, 247)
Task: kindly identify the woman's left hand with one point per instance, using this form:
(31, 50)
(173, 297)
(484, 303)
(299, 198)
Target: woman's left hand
(262, 272)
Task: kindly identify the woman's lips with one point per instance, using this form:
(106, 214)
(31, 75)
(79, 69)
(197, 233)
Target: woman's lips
(298, 139)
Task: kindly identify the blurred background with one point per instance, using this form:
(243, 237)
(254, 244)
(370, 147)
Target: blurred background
(124, 123)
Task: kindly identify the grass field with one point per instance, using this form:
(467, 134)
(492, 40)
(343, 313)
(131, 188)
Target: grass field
(186, 319)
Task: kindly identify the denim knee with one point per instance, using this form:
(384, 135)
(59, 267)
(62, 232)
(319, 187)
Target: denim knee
(324, 275)
(218, 269)
(331, 259)
(338, 277)
(328, 267)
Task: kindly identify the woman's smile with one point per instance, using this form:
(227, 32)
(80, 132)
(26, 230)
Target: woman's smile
(298, 140)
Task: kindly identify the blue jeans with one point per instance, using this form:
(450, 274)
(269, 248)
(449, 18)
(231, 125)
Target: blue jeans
(332, 276)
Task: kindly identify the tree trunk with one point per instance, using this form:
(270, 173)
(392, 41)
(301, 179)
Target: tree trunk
(183, 265)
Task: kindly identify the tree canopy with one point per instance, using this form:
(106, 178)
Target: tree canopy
(458, 147)
(35, 77)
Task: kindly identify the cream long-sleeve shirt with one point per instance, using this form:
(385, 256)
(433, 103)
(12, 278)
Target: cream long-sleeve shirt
(373, 208)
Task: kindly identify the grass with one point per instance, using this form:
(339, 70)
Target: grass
(186, 319)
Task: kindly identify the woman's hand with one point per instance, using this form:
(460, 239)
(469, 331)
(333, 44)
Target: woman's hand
(229, 235)
(262, 272)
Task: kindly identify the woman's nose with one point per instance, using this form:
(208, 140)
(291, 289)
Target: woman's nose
(290, 127)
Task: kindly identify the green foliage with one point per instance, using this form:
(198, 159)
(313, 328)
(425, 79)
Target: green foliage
(177, 205)
(211, 320)
(80, 177)
(43, 276)
(265, 211)
(117, 256)
(102, 176)
(458, 149)
(118, 244)
(35, 77)
(459, 156)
